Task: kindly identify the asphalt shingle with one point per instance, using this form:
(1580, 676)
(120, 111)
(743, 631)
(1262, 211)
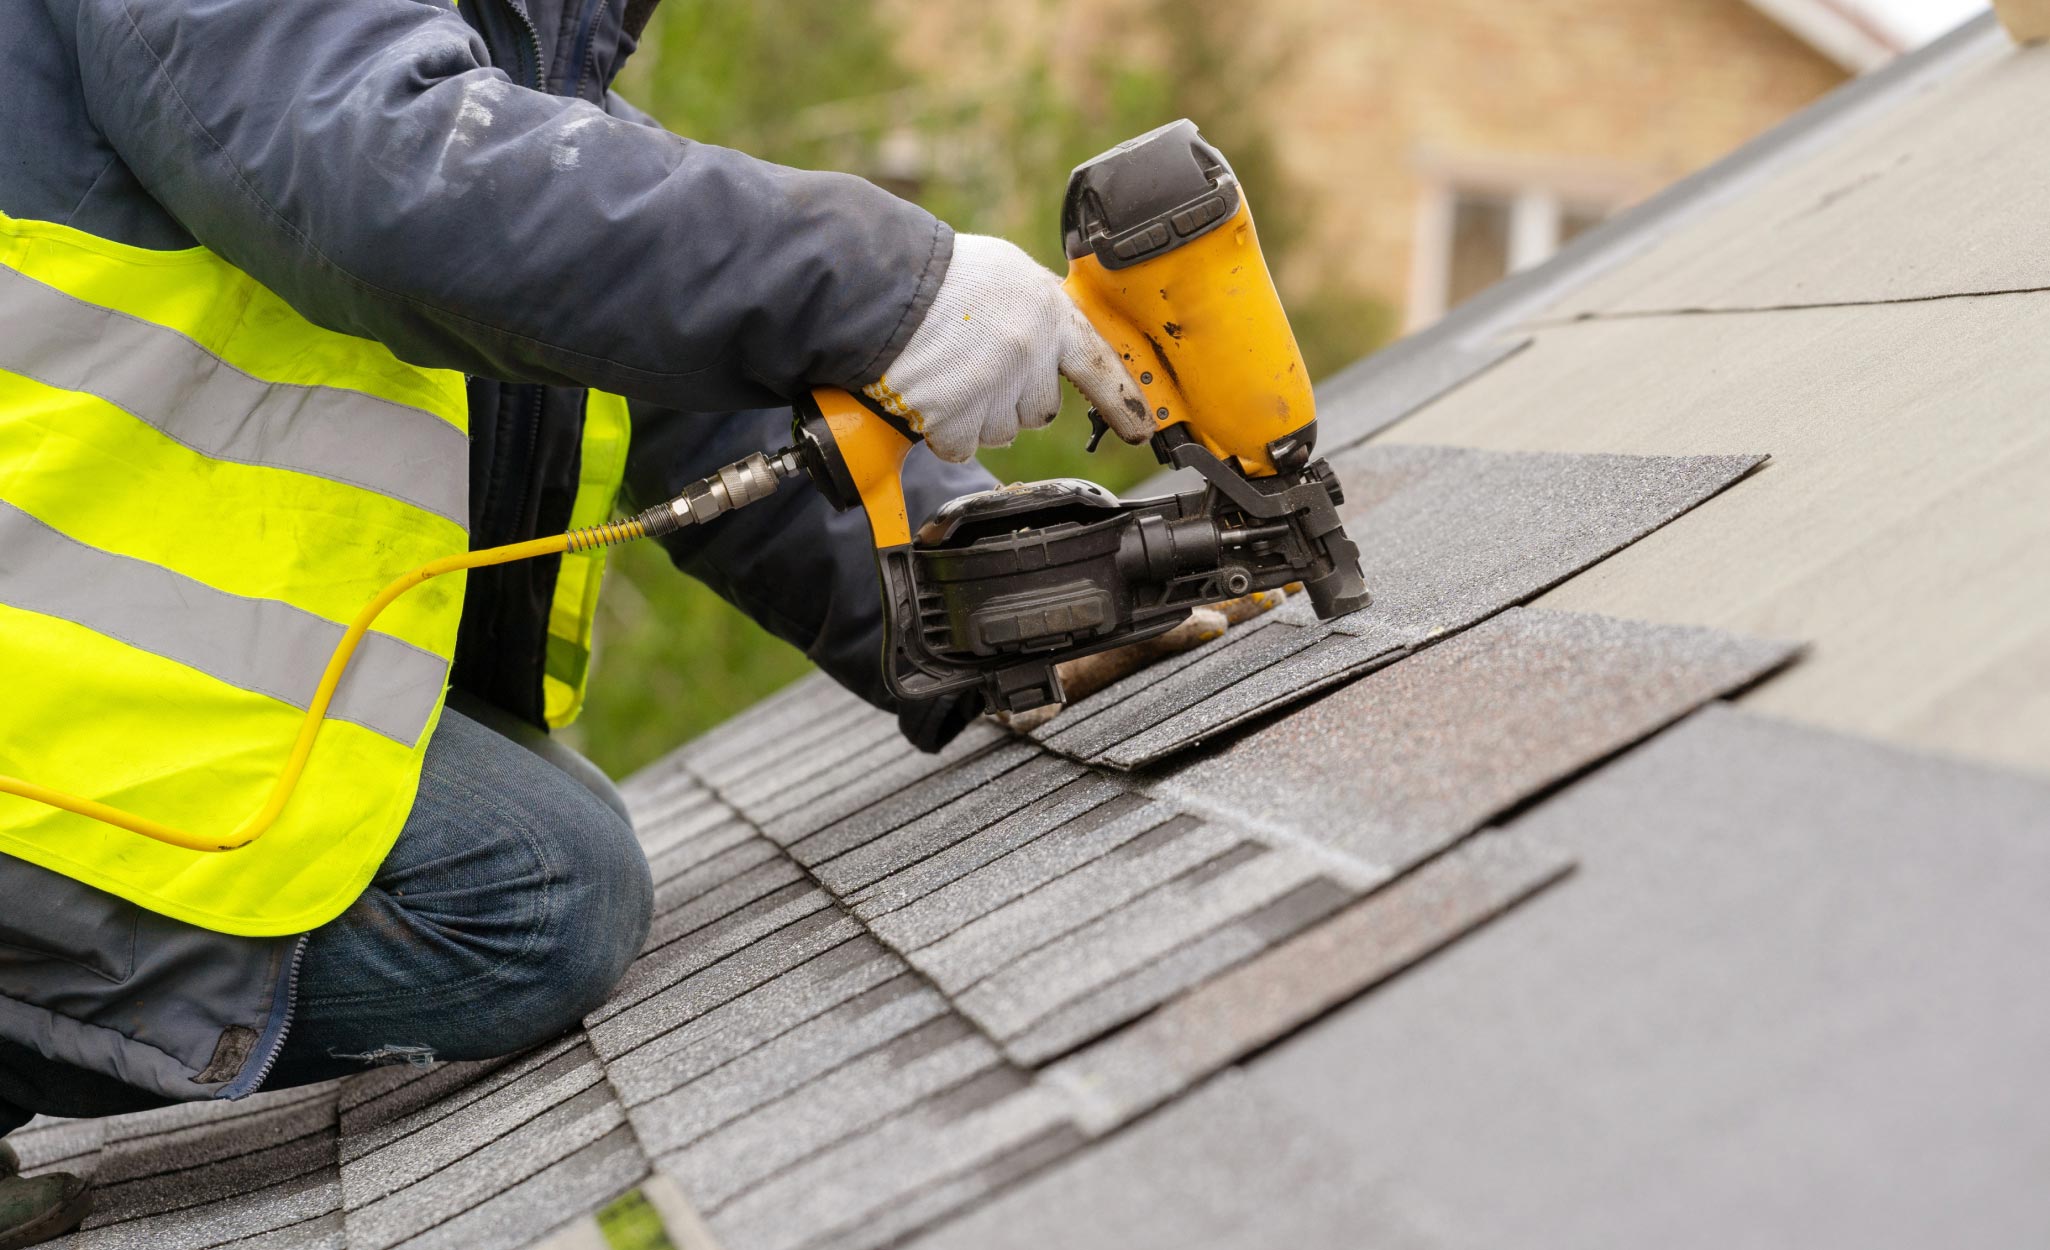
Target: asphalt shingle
(452, 1167)
(837, 1107)
(1217, 1170)
(1396, 765)
(854, 869)
(620, 1025)
(1009, 873)
(1790, 995)
(1283, 988)
(1244, 878)
(821, 836)
(1448, 537)
(655, 1065)
(945, 1150)
(206, 1174)
(582, 1181)
(776, 1066)
(1144, 862)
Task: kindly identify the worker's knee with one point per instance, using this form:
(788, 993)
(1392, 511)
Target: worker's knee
(598, 901)
(511, 905)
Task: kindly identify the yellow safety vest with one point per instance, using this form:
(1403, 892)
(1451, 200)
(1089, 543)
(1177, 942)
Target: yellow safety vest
(574, 609)
(197, 488)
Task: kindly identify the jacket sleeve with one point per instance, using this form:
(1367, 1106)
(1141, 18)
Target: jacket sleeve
(805, 572)
(360, 159)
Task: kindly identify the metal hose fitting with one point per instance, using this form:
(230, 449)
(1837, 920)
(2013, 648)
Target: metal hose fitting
(735, 486)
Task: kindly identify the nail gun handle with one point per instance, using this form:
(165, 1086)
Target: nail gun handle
(855, 454)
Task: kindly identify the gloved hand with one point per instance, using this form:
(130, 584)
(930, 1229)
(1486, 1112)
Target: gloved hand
(987, 360)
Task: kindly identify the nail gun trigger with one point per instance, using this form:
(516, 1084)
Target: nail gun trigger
(1098, 427)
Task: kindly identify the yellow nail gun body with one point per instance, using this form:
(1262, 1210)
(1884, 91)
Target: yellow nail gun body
(1001, 586)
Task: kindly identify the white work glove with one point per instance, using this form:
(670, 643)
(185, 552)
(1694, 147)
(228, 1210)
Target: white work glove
(987, 361)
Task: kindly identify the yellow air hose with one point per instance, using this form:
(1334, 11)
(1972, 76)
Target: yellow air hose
(732, 487)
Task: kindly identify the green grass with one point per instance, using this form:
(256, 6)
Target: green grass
(629, 1223)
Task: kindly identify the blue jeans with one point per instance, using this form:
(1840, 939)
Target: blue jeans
(513, 901)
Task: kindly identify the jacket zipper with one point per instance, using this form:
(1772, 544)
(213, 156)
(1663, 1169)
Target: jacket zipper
(243, 1086)
(586, 26)
(529, 59)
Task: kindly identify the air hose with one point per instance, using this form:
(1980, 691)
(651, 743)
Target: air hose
(734, 486)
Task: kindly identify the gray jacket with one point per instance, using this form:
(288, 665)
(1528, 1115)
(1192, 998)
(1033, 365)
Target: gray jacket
(462, 186)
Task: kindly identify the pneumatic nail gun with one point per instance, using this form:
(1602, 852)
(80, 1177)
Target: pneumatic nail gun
(1001, 586)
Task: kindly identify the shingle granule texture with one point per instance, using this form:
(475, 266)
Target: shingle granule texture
(1447, 538)
(1397, 764)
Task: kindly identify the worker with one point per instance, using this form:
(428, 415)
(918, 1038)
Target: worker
(294, 296)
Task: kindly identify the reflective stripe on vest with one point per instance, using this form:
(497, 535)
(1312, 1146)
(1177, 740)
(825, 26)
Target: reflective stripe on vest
(198, 487)
(574, 609)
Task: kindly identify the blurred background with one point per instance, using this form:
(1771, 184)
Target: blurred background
(1401, 155)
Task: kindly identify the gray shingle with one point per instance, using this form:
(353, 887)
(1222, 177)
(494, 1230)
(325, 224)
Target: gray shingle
(997, 939)
(733, 1028)
(1283, 988)
(566, 1189)
(1017, 872)
(776, 1066)
(300, 1209)
(680, 808)
(738, 745)
(1150, 984)
(213, 1136)
(1337, 655)
(671, 859)
(202, 1174)
(717, 1168)
(724, 856)
(1062, 814)
(1234, 658)
(1242, 879)
(659, 969)
(798, 792)
(59, 1145)
(856, 868)
(870, 815)
(1448, 537)
(383, 1104)
(406, 1151)
(326, 1231)
(877, 785)
(682, 912)
(390, 1200)
(978, 1181)
(838, 738)
(1074, 714)
(218, 1181)
(1398, 764)
(845, 1196)
(620, 1026)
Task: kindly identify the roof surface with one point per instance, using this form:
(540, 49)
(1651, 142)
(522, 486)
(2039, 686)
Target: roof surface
(1658, 860)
